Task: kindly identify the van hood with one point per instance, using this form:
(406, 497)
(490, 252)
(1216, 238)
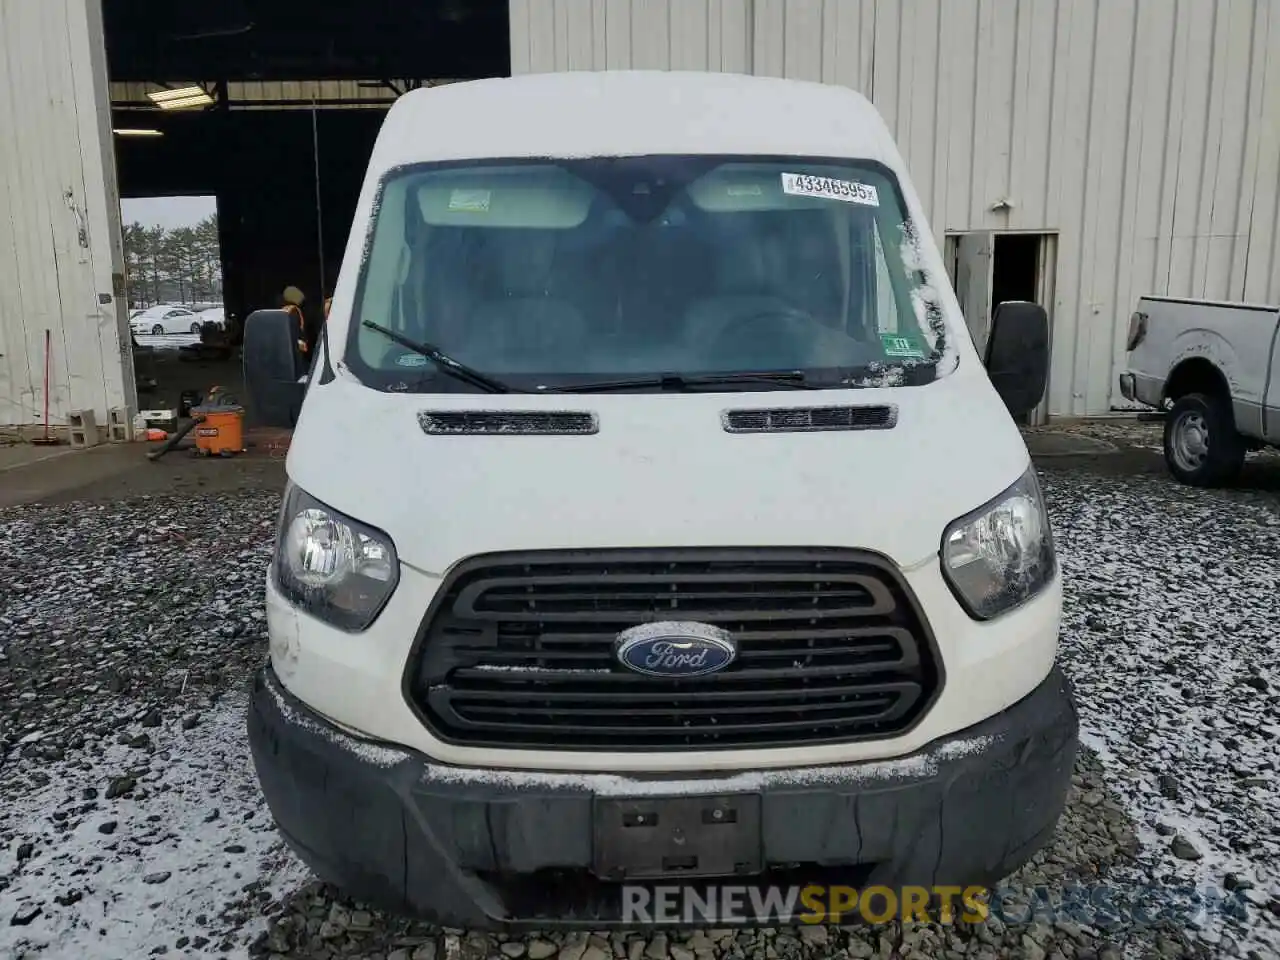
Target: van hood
(661, 471)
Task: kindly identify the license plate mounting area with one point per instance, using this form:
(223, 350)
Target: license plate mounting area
(676, 837)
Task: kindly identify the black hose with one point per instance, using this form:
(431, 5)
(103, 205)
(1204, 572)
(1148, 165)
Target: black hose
(174, 440)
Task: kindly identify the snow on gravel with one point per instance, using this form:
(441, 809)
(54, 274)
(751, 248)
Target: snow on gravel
(1170, 616)
(130, 818)
(125, 873)
(131, 825)
(167, 341)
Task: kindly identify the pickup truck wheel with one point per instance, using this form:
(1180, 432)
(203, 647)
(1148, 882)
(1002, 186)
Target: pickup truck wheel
(1201, 445)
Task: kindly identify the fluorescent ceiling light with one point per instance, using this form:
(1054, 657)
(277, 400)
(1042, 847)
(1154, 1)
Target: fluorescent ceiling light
(136, 132)
(161, 96)
(199, 101)
(182, 97)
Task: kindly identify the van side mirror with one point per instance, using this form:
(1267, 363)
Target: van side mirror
(272, 366)
(1018, 355)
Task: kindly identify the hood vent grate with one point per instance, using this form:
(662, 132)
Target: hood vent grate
(508, 423)
(809, 419)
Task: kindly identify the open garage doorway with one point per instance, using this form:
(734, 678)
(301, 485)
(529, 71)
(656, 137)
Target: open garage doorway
(174, 287)
(173, 258)
(274, 110)
(989, 267)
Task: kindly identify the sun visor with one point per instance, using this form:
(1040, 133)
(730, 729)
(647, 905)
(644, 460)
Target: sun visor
(746, 188)
(546, 198)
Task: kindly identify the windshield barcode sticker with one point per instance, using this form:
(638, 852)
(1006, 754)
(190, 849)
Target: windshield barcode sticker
(849, 191)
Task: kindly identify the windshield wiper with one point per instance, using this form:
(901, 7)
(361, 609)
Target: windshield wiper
(446, 363)
(795, 379)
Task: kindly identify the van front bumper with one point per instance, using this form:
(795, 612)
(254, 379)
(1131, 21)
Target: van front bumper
(481, 848)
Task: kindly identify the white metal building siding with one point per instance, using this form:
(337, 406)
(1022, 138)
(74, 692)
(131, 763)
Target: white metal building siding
(1146, 133)
(60, 244)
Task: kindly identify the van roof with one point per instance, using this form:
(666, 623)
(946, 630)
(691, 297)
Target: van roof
(634, 112)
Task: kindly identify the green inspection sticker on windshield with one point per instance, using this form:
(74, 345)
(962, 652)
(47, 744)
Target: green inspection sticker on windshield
(896, 345)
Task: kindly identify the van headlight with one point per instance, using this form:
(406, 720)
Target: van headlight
(333, 567)
(1000, 555)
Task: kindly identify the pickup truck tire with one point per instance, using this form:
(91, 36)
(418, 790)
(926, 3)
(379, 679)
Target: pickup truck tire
(1201, 445)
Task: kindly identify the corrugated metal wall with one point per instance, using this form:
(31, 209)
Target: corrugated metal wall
(1146, 133)
(61, 259)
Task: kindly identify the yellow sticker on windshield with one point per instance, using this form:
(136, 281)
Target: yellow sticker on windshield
(469, 201)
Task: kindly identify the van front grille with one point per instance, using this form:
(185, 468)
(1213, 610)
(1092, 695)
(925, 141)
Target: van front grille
(518, 650)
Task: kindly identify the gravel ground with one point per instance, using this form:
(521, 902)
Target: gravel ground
(1173, 597)
(130, 823)
(1129, 433)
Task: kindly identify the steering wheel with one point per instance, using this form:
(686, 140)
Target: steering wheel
(762, 326)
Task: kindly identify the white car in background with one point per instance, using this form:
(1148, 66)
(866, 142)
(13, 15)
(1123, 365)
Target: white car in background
(215, 315)
(165, 319)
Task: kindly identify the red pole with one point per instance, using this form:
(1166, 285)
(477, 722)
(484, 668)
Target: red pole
(48, 341)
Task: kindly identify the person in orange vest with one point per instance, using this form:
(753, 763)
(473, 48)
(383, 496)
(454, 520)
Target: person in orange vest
(293, 299)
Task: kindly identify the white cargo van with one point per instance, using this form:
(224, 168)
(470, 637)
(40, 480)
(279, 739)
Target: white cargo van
(652, 517)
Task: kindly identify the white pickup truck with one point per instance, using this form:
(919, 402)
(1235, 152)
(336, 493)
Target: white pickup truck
(1214, 368)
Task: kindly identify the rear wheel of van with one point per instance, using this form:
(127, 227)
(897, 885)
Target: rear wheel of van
(1201, 445)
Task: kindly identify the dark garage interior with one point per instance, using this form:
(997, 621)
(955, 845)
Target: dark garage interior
(286, 169)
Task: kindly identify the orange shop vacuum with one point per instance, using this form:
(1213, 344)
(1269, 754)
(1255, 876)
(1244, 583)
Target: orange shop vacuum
(219, 427)
(218, 423)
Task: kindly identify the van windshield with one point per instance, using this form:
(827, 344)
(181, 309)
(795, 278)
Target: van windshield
(552, 273)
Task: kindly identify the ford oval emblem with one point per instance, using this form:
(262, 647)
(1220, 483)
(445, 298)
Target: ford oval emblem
(675, 650)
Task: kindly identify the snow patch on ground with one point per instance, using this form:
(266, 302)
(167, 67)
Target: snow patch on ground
(130, 629)
(167, 341)
(1172, 596)
(183, 845)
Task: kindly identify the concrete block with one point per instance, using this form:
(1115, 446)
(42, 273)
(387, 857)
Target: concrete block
(83, 427)
(119, 427)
